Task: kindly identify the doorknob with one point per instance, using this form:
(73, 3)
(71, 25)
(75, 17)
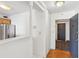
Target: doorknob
(77, 32)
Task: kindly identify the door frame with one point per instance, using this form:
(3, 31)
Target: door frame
(67, 28)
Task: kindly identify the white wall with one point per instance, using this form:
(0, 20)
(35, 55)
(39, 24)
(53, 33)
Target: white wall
(47, 29)
(1, 15)
(56, 16)
(40, 39)
(40, 32)
(22, 22)
(37, 33)
(21, 48)
(78, 35)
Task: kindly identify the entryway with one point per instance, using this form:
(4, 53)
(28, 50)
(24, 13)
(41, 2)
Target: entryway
(66, 39)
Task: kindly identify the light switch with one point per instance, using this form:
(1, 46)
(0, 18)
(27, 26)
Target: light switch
(34, 27)
(39, 33)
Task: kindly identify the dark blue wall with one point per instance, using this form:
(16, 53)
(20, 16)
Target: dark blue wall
(74, 36)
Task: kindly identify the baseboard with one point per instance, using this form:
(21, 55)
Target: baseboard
(45, 56)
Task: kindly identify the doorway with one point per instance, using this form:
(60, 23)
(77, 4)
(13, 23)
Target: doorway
(61, 31)
(62, 34)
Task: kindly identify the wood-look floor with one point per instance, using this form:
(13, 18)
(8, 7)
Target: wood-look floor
(58, 54)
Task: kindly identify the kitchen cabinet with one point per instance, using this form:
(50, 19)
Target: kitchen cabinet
(5, 21)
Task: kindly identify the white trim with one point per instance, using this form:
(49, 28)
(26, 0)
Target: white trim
(30, 17)
(46, 54)
(43, 4)
(39, 6)
(67, 30)
(78, 36)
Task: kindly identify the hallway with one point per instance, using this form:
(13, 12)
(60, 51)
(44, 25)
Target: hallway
(58, 54)
(39, 29)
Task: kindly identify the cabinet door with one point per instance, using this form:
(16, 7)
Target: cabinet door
(74, 35)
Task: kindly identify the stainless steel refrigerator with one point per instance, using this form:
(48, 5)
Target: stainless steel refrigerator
(7, 31)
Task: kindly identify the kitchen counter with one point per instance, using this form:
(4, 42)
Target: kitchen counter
(13, 39)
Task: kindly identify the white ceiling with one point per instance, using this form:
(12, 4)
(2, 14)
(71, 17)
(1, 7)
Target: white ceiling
(21, 6)
(17, 7)
(68, 6)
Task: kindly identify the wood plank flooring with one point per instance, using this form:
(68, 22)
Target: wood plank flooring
(58, 54)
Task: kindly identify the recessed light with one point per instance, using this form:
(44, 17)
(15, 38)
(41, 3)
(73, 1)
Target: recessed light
(59, 3)
(5, 7)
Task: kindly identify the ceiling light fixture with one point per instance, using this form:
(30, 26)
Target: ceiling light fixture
(5, 7)
(59, 3)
